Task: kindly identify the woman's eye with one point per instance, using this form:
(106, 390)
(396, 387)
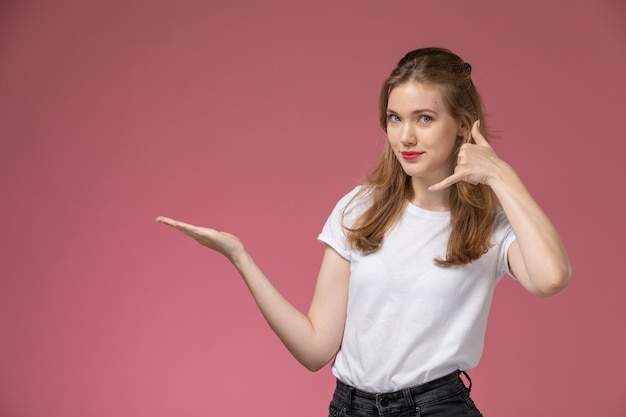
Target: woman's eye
(425, 119)
(393, 118)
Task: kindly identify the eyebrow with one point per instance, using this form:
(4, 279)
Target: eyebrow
(414, 112)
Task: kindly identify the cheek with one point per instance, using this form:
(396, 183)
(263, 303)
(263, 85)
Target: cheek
(392, 137)
(451, 139)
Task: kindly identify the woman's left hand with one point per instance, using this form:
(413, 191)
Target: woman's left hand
(476, 163)
(537, 257)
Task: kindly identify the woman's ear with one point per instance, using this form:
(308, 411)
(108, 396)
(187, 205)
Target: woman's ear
(463, 128)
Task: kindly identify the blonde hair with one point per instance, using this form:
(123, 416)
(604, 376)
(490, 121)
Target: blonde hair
(472, 207)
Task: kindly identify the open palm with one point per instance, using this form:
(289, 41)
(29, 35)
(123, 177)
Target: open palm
(227, 244)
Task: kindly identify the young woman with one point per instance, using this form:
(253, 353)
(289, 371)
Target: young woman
(413, 256)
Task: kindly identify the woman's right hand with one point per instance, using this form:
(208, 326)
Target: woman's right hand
(225, 243)
(313, 339)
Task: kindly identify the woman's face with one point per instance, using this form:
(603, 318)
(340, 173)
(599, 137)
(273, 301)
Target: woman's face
(421, 131)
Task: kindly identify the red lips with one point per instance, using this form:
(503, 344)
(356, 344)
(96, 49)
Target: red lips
(408, 155)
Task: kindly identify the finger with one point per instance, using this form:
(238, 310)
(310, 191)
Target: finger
(169, 222)
(182, 226)
(478, 137)
(445, 183)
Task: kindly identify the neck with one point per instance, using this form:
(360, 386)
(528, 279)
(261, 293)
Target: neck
(429, 200)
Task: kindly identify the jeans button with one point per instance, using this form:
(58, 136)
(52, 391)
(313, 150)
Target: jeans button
(384, 402)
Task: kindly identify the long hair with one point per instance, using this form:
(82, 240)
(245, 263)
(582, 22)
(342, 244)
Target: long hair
(472, 207)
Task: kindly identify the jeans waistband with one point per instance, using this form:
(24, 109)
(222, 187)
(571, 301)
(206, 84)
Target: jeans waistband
(428, 392)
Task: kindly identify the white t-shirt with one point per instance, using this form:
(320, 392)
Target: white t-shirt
(410, 321)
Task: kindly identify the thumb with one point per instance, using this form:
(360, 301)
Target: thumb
(478, 137)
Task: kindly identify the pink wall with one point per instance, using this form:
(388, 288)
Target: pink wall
(247, 116)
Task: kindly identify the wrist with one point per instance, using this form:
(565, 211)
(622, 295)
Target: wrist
(502, 175)
(240, 258)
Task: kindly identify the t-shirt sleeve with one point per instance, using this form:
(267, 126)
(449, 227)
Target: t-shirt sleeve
(504, 237)
(333, 233)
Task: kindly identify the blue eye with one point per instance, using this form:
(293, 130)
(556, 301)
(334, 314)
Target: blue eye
(425, 119)
(393, 118)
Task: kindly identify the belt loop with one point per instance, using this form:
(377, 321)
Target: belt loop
(408, 397)
(349, 396)
(468, 379)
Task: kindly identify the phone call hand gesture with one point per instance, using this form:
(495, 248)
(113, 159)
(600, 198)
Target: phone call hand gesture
(477, 163)
(225, 243)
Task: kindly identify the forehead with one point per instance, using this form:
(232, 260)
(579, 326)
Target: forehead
(415, 95)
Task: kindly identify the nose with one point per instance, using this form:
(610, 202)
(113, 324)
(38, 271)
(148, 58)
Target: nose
(408, 136)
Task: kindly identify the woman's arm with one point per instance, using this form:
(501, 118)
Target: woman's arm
(538, 257)
(313, 339)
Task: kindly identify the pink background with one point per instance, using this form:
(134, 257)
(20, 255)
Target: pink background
(255, 117)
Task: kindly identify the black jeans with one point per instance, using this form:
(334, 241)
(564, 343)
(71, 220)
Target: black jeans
(443, 397)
